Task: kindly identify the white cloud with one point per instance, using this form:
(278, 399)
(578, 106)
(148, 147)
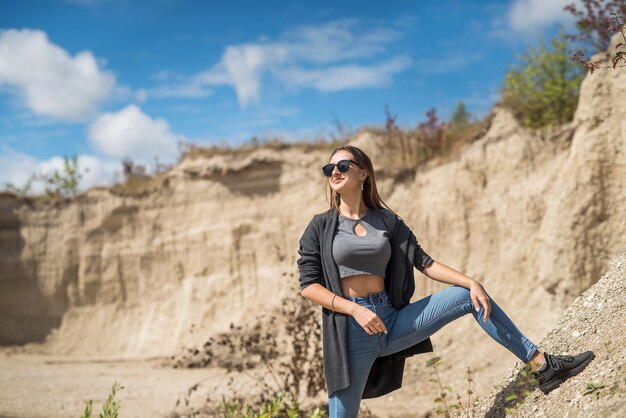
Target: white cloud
(337, 41)
(244, 64)
(188, 90)
(323, 57)
(241, 67)
(346, 76)
(447, 64)
(131, 133)
(176, 85)
(49, 80)
(528, 15)
(16, 168)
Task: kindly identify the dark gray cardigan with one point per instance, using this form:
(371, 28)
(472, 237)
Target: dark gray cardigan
(316, 265)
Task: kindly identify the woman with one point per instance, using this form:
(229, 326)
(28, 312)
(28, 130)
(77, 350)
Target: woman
(356, 261)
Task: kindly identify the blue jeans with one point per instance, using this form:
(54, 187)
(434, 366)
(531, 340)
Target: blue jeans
(414, 323)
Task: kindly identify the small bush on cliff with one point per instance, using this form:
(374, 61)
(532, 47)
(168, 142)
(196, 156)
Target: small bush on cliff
(542, 89)
(596, 22)
(616, 24)
(59, 184)
(595, 27)
(432, 138)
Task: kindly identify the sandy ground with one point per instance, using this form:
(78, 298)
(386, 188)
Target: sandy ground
(38, 386)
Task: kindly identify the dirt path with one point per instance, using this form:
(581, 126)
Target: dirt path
(39, 386)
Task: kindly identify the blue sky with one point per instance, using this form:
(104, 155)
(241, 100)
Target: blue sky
(106, 79)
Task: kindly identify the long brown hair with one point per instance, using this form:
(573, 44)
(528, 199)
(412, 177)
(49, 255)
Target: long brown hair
(370, 192)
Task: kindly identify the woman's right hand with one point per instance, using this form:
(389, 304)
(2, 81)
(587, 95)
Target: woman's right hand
(368, 320)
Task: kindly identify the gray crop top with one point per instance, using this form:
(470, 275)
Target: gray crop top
(368, 254)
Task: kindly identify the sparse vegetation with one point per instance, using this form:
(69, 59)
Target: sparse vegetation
(460, 119)
(444, 407)
(193, 151)
(286, 378)
(110, 408)
(406, 149)
(542, 89)
(430, 139)
(597, 21)
(592, 21)
(20, 190)
(136, 178)
(56, 185)
(282, 405)
(521, 389)
(594, 389)
(343, 131)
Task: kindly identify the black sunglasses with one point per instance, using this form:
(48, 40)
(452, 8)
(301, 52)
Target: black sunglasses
(342, 166)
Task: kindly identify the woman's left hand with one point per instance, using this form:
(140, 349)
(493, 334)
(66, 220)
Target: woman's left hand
(480, 298)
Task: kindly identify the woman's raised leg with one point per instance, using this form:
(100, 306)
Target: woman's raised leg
(421, 319)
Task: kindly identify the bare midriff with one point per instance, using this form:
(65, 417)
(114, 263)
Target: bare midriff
(362, 285)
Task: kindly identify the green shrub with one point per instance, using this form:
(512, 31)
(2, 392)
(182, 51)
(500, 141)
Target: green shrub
(445, 407)
(111, 407)
(542, 89)
(460, 117)
(520, 389)
(59, 184)
(282, 405)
